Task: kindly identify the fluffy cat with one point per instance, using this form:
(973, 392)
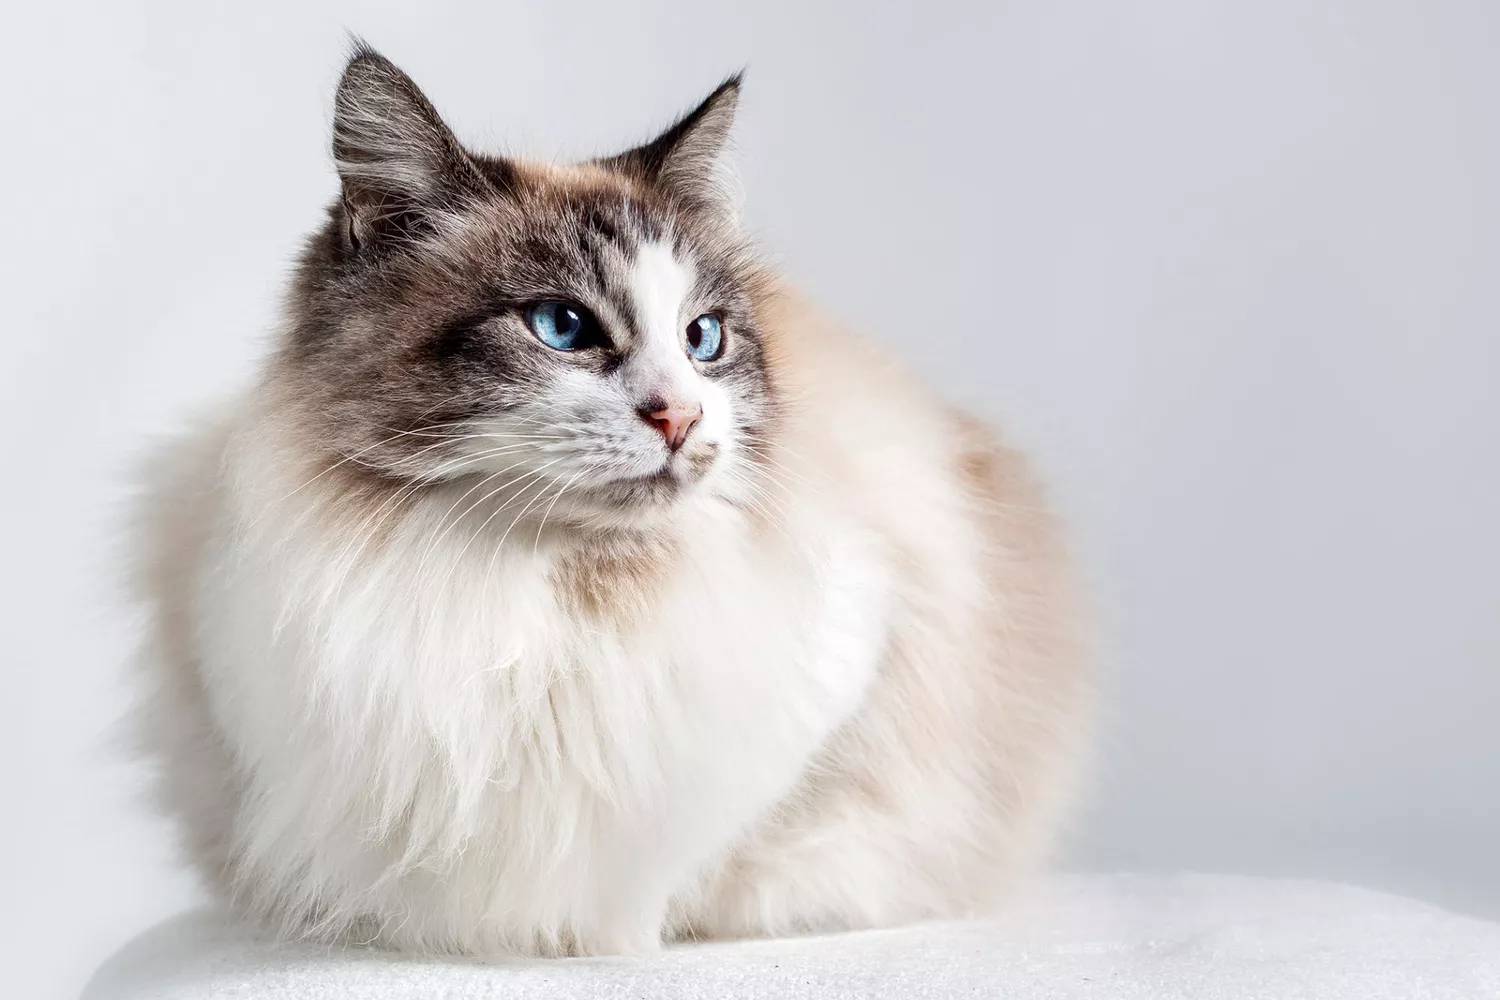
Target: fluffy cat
(565, 584)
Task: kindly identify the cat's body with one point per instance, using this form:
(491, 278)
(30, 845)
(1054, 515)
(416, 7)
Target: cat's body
(819, 670)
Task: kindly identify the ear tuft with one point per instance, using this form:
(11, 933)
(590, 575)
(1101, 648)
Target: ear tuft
(689, 161)
(396, 158)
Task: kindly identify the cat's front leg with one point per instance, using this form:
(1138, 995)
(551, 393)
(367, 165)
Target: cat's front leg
(637, 935)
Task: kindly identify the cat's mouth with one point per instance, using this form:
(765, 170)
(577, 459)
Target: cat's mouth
(674, 478)
(654, 489)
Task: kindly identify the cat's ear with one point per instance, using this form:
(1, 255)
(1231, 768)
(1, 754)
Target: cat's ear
(689, 161)
(399, 164)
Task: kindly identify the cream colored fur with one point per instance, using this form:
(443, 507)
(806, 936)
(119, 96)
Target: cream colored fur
(861, 704)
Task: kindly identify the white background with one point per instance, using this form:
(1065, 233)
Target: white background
(1231, 270)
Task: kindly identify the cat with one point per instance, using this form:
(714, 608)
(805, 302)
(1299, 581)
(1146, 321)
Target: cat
(566, 584)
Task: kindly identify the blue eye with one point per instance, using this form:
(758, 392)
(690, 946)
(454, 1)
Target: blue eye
(563, 326)
(705, 337)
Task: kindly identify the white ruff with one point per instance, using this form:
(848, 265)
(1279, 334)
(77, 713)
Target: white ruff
(817, 668)
(412, 732)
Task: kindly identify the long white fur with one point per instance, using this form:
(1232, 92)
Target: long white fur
(402, 732)
(850, 696)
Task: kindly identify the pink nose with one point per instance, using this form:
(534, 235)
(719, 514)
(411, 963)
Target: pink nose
(674, 420)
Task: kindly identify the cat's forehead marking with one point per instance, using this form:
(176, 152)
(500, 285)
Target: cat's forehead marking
(660, 281)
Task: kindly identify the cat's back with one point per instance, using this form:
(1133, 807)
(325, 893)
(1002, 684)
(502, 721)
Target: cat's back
(936, 480)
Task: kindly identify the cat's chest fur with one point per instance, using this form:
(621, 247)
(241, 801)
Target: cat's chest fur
(622, 708)
(717, 630)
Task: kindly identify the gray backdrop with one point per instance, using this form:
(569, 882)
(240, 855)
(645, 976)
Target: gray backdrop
(1229, 269)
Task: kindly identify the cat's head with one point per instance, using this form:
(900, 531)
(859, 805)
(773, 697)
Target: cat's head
(585, 331)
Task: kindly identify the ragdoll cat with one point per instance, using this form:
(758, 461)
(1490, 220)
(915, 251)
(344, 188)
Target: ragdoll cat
(565, 584)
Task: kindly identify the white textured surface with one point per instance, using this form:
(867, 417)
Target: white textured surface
(1078, 938)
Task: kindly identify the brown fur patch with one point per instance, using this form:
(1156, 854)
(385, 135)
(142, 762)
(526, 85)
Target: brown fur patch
(614, 580)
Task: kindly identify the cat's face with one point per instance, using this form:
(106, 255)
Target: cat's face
(583, 337)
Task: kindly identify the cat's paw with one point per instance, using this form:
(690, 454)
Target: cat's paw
(629, 938)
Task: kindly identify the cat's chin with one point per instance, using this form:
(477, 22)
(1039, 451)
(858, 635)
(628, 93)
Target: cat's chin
(678, 477)
(653, 491)
(637, 500)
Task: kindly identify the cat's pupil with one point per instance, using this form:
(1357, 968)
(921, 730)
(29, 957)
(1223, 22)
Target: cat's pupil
(571, 321)
(695, 335)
